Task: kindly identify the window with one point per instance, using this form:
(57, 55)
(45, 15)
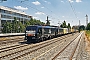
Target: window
(46, 30)
(40, 30)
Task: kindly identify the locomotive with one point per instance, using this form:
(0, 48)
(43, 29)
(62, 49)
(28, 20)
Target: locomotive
(39, 33)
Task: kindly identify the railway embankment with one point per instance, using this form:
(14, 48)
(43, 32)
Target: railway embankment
(87, 34)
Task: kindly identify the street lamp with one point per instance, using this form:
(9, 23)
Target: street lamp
(18, 25)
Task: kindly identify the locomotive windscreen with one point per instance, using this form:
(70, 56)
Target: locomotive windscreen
(31, 28)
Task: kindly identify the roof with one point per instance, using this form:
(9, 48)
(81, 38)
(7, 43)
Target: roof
(42, 26)
(12, 9)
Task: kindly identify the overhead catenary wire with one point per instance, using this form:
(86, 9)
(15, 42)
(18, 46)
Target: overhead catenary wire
(47, 8)
(36, 9)
(73, 9)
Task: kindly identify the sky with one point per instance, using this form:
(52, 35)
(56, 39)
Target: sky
(57, 10)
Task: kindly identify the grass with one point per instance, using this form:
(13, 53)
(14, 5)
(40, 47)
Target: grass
(87, 33)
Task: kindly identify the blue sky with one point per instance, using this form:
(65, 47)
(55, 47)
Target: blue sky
(57, 10)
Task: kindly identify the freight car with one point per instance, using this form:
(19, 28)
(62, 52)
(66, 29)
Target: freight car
(40, 33)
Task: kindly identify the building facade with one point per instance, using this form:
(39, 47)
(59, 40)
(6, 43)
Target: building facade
(7, 14)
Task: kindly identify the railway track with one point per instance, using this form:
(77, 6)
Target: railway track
(16, 51)
(69, 51)
(11, 45)
(60, 53)
(6, 43)
(10, 40)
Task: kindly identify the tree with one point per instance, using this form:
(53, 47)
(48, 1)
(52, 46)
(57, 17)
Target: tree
(7, 27)
(27, 23)
(36, 22)
(21, 27)
(32, 22)
(17, 27)
(69, 26)
(75, 27)
(14, 25)
(82, 27)
(88, 26)
(63, 25)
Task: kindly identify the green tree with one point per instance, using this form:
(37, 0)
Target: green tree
(82, 27)
(31, 21)
(63, 25)
(17, 27)
(21, 27)
(27, 23)
(4, 30)
(7, 27)
(88, 26)
(69, 26)
(14, 25)
(36, 22)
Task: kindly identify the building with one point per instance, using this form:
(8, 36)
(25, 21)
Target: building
(86, 19)
(7, 14)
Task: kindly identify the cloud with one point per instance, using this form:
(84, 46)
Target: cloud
(63, 16)
(78, 1)
(36, 3)
(35, 17)
(47, 2)
(21, 8)
(40, 13)
(62, 1)
(42, 7)
(71, 1)
(78, 12)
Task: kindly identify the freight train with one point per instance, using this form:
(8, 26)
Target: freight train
(40, 33)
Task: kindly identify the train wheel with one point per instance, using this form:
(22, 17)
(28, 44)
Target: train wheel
(49, 37)
(41, 39)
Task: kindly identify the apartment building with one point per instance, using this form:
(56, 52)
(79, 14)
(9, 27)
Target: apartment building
(7, 14)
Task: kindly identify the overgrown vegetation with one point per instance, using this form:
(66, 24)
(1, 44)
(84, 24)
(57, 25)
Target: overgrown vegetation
(88, 32)
(88, 26)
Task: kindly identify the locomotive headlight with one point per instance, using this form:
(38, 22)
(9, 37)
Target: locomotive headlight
(30, 33)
